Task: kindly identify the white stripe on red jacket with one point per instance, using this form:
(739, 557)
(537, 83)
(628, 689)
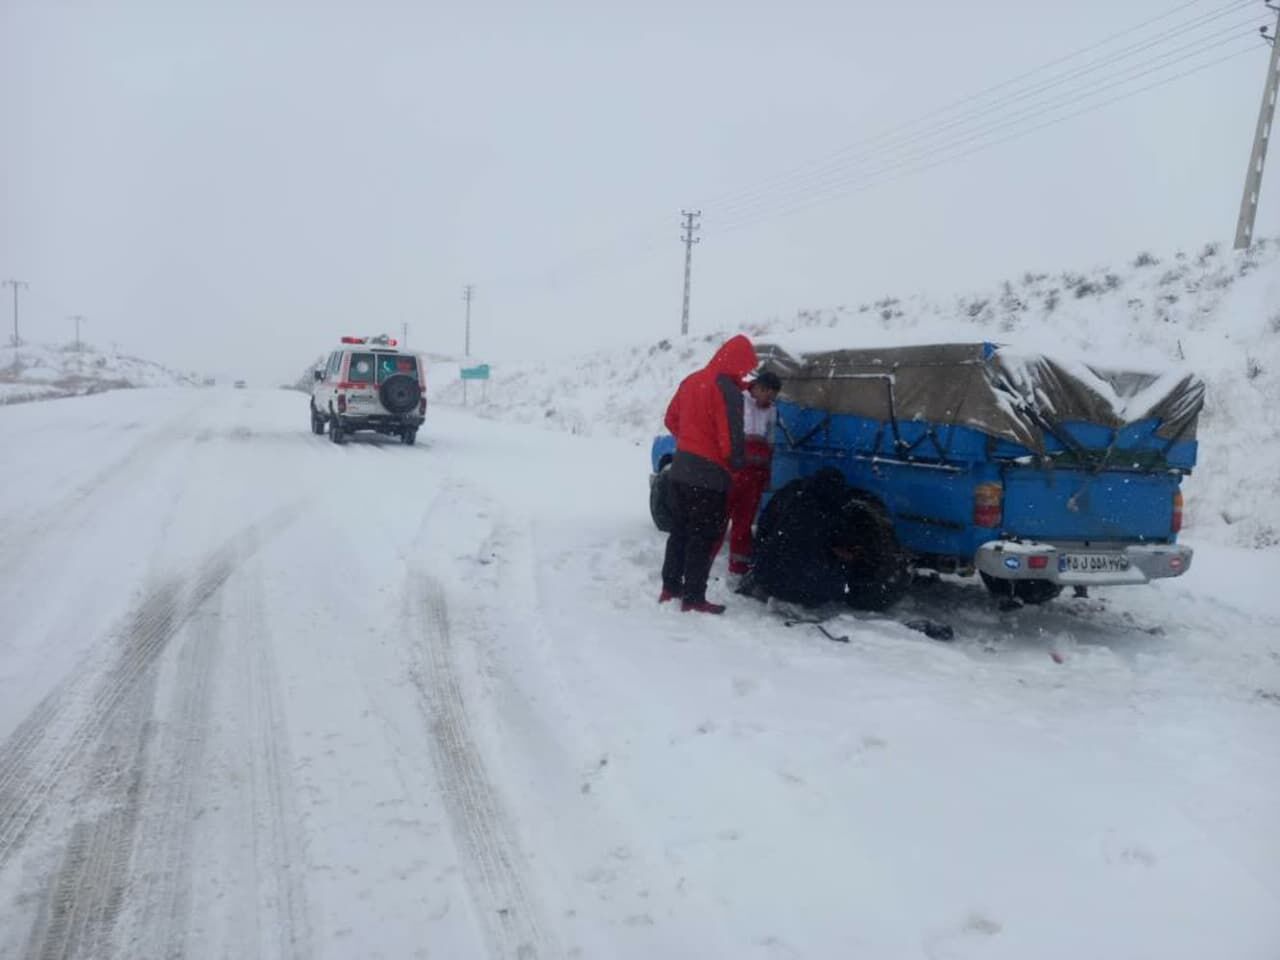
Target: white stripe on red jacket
(758, 425)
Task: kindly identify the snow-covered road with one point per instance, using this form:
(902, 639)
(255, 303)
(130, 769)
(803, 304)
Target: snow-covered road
(261, 696)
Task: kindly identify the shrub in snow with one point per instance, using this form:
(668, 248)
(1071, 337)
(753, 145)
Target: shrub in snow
(1146, 259)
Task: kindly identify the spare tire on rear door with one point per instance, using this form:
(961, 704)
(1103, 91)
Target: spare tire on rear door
(399, 393)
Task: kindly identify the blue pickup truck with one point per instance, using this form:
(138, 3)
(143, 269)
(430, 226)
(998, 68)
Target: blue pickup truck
(962, 458)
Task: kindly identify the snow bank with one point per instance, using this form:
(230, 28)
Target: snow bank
(42, 372)
(1214, 312)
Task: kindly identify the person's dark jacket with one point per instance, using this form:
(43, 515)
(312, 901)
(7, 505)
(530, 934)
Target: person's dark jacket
(796, 535)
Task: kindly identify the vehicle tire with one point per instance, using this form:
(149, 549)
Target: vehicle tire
(317, 422)
(336, 433)
(1028, 591)
(399, 393)
(880, 572)
(409, 437)
(659, 501)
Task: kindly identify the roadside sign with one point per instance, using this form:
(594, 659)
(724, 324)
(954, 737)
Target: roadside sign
(476, 373)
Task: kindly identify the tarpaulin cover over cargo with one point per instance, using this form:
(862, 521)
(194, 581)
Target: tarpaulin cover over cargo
(921, 398)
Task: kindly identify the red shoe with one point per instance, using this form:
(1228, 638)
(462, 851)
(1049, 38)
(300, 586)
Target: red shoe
(666, 596)
(701, 606)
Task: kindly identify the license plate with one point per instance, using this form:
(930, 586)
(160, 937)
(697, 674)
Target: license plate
(1092, 563)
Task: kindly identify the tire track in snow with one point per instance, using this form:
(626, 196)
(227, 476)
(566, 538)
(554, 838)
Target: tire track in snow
(106, 717)
(227, 647)
(46, 747)
(84, 897)
(492, 862)
(162, 854)
(279, 895)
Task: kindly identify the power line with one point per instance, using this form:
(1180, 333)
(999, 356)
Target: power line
(1134, 71)
(923, 148)
(896, 174)
(901, 151)
(895, 131)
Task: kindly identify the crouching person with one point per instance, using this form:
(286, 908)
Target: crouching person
(801, 544)
(705, 416)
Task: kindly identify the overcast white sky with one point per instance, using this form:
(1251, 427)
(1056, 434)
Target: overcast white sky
(229, 186)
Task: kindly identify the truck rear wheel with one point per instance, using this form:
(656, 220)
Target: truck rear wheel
(878, 569)
(659, 502)
(1028, 591)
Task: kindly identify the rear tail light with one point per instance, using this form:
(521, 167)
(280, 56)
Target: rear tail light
(1177, 511)
(342, 404)
(988, 499)
(1037, 563)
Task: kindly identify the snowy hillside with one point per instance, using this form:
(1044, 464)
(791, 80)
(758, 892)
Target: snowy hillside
(42, 372)
(1214, 311)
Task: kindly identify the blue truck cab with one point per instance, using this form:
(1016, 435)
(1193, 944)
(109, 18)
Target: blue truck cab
(1032, 472)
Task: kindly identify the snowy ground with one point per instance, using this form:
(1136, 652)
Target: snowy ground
(264, 696)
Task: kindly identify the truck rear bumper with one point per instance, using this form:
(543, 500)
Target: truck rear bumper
(1084, 564)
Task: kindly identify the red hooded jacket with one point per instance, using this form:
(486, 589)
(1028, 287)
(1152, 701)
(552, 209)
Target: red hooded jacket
(705, 417)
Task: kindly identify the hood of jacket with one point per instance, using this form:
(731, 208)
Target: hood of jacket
(736, 358)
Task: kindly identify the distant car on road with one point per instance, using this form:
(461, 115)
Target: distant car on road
(369, 383)
(240, 384)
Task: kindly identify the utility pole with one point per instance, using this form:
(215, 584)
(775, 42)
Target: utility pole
(78, 319)
(1261, 137)
(468, 294)
(690, 227)
(404, 334)
(17, 285)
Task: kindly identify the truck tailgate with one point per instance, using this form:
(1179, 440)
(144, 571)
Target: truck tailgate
(1068, 504)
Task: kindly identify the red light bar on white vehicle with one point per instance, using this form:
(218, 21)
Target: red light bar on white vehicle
(382, 340)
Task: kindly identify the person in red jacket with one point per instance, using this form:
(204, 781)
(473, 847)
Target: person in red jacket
(759, 417)
(705, 416)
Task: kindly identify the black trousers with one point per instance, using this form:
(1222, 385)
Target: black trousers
(698, 521)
